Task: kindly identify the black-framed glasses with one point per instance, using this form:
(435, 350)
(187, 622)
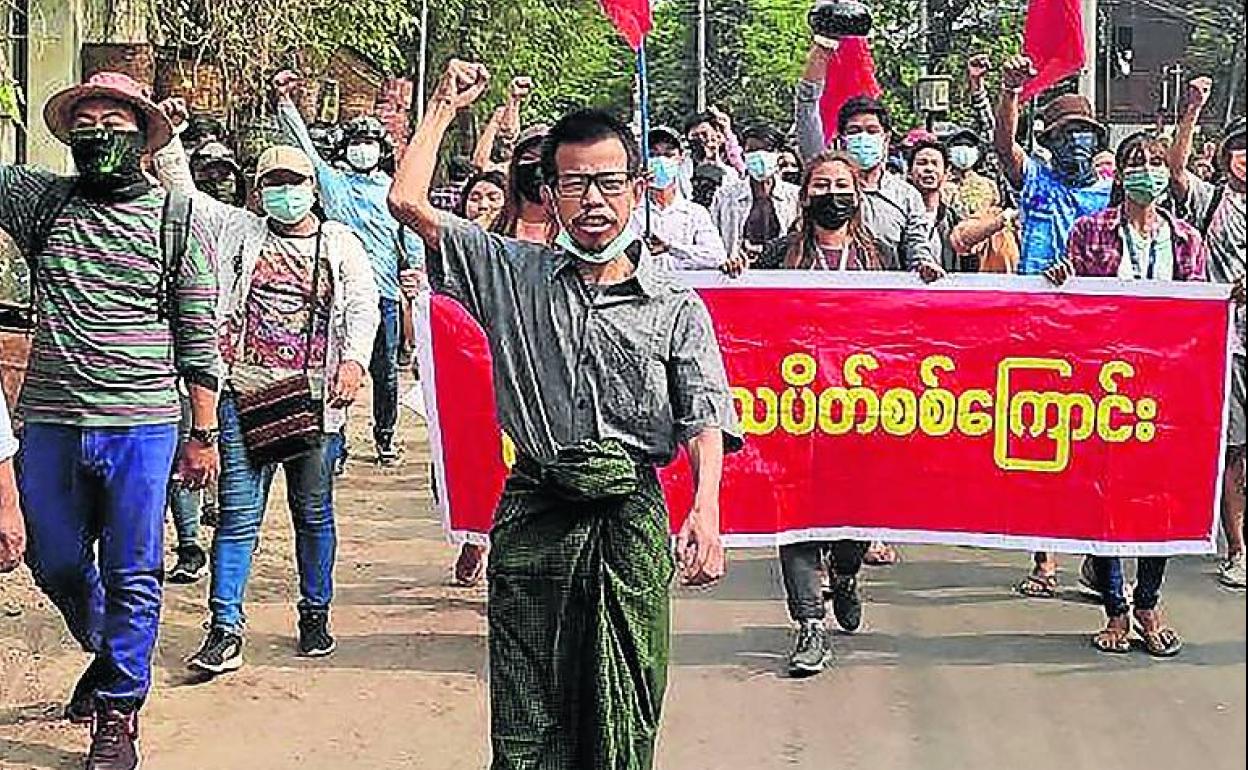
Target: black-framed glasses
(609, 183)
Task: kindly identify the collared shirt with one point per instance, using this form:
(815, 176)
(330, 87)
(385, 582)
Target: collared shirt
(692, 241)
(1227, 237)
(899, 223)
(637, 362)
(732, 207)
(359, 201)
(1098, 249)
(1048, 208)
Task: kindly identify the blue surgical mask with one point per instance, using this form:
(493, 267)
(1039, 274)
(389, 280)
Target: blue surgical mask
(762, 165)
(287, 204)
(664, 172)
(613, 249)
(964, 157)
(865, 150)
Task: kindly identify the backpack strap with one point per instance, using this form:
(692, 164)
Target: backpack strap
(1214, 205)
(175, 234)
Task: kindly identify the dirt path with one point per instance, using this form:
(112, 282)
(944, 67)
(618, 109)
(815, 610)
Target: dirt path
(953, 672)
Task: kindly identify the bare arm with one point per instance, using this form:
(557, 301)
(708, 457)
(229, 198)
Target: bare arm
(461, 85)
(699, 547)
(485, 142)
(970, 233)
(1181, 150)
(1010, 154)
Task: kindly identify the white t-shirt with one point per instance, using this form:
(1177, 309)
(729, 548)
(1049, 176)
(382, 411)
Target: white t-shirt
(1147, 259)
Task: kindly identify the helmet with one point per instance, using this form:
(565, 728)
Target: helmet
(365, 127)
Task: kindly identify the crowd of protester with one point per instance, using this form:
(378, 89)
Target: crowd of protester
(279, 289)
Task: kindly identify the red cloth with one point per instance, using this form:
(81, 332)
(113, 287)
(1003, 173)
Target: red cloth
(851, 72)
(632, 18)
(1053, 38)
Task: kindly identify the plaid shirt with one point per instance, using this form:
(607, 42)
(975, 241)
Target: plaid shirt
(1096, 246)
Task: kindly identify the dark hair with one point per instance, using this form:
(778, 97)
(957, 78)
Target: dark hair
(699, 119)
(801, 253)
(928, 144)
(481, 177)
(583, 127)
(769, 136)
(862, 105)
(1139, 145)
(460, 167)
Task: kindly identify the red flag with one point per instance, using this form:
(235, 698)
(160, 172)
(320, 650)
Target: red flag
(851, 72)
(1053, 38)
(632, 18)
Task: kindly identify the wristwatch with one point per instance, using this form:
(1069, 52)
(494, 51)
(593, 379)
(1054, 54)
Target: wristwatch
(205, 436)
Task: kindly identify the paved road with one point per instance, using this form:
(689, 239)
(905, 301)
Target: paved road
(953, 672)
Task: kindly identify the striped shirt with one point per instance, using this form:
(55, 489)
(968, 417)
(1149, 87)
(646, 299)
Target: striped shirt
(105, 353)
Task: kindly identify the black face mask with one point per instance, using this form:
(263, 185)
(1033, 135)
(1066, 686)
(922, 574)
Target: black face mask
(529, 182)
(792, 177)
(224, 190)
(1072, 157)
(832, 211)
(108, 161)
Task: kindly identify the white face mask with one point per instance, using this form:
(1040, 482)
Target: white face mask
(963, 157)
(762, 165)
(364, 157)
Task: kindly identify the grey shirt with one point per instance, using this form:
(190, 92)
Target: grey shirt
(899, 223)
(637, 362)
(1226, 236)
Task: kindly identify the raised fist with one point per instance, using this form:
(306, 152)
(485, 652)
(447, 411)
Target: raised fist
(977, 69)
(176, 110)
(285, 83)
(1017, 72)
(521, 87)
(462, 83)
(1198, 92)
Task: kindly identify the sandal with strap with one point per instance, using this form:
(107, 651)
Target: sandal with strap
(1116, 641)
(1165, 642)
(881, 555)
(1038, 586)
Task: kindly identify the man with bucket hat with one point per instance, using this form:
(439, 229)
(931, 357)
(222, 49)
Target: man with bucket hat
(124, 293)
(1051, 198)
(1220, 214)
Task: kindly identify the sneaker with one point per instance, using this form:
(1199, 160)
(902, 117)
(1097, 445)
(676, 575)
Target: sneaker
(810, 649)
(1231, 573)
(114, 740)
(388, 452)
(315, 641)
(222, 653)
(192, 565)
(846, 603)
(81, 707)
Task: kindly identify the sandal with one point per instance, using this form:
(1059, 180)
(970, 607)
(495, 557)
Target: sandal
(1165, 642)
(470, 566)
(880, 555)
(1113, 640)
(1038, 586)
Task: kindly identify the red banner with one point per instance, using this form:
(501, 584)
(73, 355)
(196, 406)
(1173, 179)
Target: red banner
(985, 411)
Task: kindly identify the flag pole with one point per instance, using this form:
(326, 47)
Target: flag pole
(643, 86)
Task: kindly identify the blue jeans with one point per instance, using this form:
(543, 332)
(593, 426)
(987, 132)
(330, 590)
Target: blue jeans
(244, 495)
(183, 502)
(384, 370)
(1109, 579)
(105, 487)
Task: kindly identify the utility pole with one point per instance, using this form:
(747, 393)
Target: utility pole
(1088, 76)
(702, 30)
(422, 67)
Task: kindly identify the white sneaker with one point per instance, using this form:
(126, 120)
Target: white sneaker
(1231, 573)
